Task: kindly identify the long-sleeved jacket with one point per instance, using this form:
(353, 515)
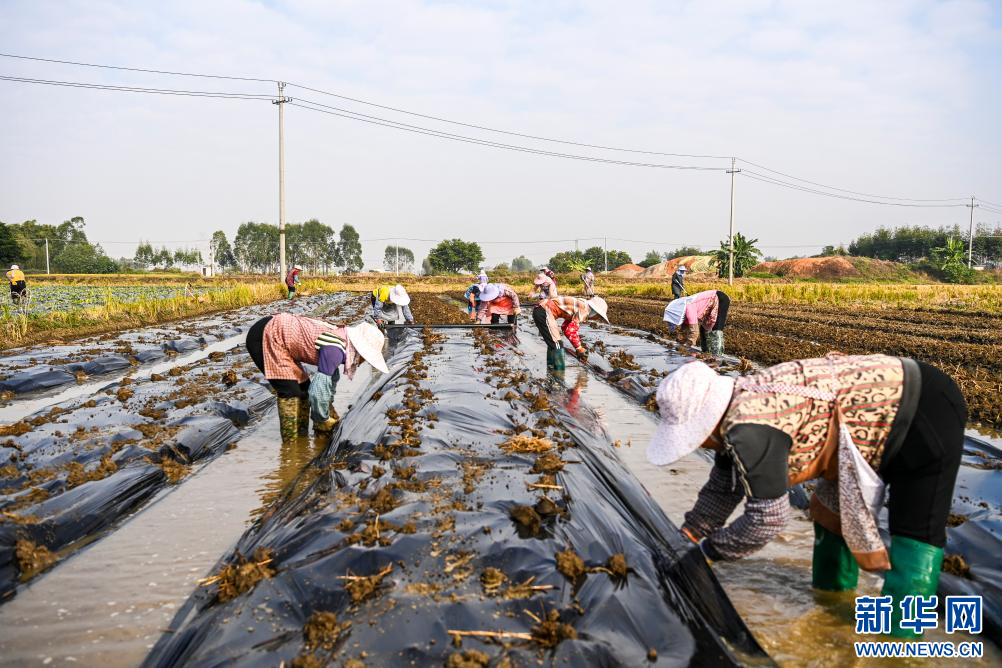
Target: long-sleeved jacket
(701, 311)
(546, 288)
(776, 435)
(293, 278)
(678, 285)
(573, 311)
(384, 309)
(504, 304)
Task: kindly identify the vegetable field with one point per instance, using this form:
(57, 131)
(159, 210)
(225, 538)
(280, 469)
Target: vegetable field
(46, 298)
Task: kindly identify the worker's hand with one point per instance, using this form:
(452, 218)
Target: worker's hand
(410, 322)
(327, 425)
(582, 354)
(380, 323)
(518, 311)
(687, 532)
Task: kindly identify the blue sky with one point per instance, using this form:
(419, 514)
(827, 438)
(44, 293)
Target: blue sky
(899, 98)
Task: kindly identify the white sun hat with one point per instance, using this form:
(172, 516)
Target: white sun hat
(13, 267)
(682, 268)
(399, 296)
(489, 292)
(368, 342)
(598, 305)
(691, 400)
(675, 311)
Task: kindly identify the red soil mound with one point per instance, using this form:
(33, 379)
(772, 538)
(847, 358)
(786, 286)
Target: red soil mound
(627, 270)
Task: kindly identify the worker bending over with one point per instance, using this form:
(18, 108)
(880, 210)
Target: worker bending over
(545, 285)
(292, 280)
(18, 286)
(700, 318)
(853, 424)
(573, 311)
(391, 304)
(281, 344)
(495, 300)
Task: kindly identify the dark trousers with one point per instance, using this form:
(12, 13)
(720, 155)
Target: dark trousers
(496, 318)
(724, 304)
(286, 389)
(920, 477)
(17, 291)
(539, 317)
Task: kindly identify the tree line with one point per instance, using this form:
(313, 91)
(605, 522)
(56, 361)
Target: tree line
(913, 244)
(312, 245)
(69, 250)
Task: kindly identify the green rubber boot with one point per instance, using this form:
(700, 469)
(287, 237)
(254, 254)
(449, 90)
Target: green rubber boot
(713, 342)
(558, 359)
(288, 418)
(833, 567)
(914, 571)
(303, 417)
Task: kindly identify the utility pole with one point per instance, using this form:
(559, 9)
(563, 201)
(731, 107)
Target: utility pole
(281, 177)
(397, 265)
(970, 236)
(730, 237)
(606, 247)
(46, 255)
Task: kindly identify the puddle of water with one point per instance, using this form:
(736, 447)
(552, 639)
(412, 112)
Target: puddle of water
(772, 589)
(108, 604)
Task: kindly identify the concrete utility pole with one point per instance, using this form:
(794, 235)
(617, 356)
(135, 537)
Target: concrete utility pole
(606, 247)
(397, 265)
(281, 176)
(730, 236)
(46, 255)
(970, 236)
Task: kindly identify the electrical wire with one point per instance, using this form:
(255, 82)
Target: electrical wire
(137, 89)
(135, 69)
(770, 180)
(375, 120)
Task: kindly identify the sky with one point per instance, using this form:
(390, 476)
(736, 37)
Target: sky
(898, 98)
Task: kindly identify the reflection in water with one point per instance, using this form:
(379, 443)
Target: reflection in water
(292, 460)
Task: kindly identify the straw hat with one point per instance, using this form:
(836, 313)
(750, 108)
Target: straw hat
(368, 342)
(691, 400)
(599, 306)
(399, 296)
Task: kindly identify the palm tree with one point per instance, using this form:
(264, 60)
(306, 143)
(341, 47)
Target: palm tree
(746, 255)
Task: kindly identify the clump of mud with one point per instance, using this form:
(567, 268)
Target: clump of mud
(550, 632)
(243, 574)
(623, 360)
(322, 631)
(527, 519)
(570, 564)
(547, 508)
(955, 519)
(78, 475)
(492, 579)
(229, 378)
(617, 566)
(549, 463)
(361, 587)
(31, 558)
(955, 564)
(521, 443)
(173, 469)
(469, 658)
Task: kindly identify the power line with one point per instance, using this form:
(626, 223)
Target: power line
(375, 120)
(137, 89)
(134, 69)
(773, 181)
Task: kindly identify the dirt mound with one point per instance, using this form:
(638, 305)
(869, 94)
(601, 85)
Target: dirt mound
(694, 263)
(811, 267)
(627, 270)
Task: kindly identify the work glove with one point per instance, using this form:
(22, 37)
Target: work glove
(582, 354)
(380, 323)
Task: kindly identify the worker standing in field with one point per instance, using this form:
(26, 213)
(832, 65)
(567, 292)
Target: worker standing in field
(482, 279)
(588, 279)
(391, 304)
(573, 311)
(853, 423)
(281, 344)
(18, 285)
(700, 318)
(472, 298)
(678, 282)
(545, 285)
(496, 300)
(292, 280)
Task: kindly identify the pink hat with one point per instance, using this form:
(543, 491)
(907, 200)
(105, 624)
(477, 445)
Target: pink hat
(691, 400)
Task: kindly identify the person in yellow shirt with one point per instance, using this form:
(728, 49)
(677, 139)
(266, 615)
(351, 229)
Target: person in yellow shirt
(18, 286)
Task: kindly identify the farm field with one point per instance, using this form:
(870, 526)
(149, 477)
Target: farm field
(46, 298)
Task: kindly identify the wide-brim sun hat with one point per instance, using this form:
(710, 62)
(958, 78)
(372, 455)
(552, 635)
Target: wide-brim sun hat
(691, 400)
(368, 342)
(399, 296)
(682, 268)
(489, 292)
(599, 306)
(13, 267)
(675, 311)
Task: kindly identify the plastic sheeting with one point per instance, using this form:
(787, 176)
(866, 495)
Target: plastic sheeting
(448, 521)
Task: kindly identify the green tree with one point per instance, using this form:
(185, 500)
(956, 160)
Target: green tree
(595, 257)
(455, 255)
(522, 265)
(682, 251)
(222, 252)
(83, 258)
(951, 260)
(145, 255)
(398, 258)
(256, 247)
(565, 261)
(833, 251)
(501, 269)
(746, 256)
(652, 258)
(350, 249)
(10, 250)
